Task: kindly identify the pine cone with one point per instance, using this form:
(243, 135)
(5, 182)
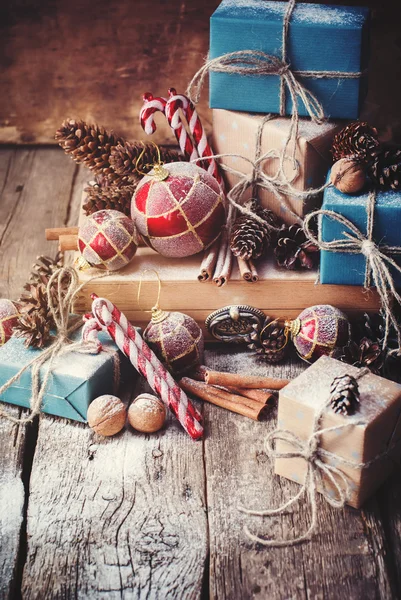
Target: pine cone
(36, 320)
(35, 328)
(344, 394)
(294, 250)
(114, 198)
(385, 169)
(270, 341)
(90, 145)
(124, 158)
(357, 139)
(366, 353)
(249, 238)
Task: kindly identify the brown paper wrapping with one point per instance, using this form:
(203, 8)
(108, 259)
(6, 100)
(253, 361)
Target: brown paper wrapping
(380, 411)
(235, 133)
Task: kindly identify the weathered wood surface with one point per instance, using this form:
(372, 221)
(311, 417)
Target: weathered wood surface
(156, 516)
(115, 518)
(70, 59)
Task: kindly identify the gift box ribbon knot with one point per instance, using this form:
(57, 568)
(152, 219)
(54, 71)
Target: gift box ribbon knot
(378, 258)
(61, 345)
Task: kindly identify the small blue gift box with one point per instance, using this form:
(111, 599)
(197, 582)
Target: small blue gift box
(320, 38)
(349, 269)
(76, 379)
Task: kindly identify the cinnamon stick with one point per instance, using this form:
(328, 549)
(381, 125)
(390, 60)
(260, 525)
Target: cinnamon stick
(68, 242)
(244, 381)
(53, 233)
(244, 269)
(259, 395)
(254, 273)
(233, 402)
(209, 261)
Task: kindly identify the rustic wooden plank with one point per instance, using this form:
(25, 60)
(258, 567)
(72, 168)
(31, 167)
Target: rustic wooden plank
(123, 517)
(12, 499)
(67, 60)
(29, 197)
(346, 559)
(42, 200)
(12, 437)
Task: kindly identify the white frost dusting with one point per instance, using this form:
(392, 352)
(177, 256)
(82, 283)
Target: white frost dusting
(303, 13)
(11, 502)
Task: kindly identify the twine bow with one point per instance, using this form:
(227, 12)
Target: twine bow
(321, 468)
(378, 258)
(65, 326)
(256, 62)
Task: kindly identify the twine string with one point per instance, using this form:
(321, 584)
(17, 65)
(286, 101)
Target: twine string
(321, 469)
(378, 259)
(61, 344)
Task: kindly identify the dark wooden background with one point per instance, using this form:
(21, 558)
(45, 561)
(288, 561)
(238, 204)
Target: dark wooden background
(94, 60)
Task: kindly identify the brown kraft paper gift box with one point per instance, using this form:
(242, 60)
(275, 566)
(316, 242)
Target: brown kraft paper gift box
(235, 133)
(379, 410)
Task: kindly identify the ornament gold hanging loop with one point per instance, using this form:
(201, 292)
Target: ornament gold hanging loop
(287, 332)
(158, 315)
(160, 173)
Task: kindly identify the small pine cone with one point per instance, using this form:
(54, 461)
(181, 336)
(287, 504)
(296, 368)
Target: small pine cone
(366, 353)
(358, 139)
(90, 145)
(250, 238)
(113, 198)
(294, 250)
(385, 169)
(124, 158)
(344, 394)
(269, 341)
(35, 328)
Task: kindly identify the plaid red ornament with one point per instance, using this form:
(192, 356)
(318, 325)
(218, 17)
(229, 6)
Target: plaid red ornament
(176, 339)
(106, 239)
(8, 319)
(182, 214)
(320, 330)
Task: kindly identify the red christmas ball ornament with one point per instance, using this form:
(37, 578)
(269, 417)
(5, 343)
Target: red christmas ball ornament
(107, 239)
(319, 330)
(176, 339)
(178, 209)
(8, 319)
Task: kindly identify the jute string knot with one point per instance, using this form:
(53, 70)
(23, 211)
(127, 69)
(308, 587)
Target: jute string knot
(322, 473)
(378, 259)
(61, 343)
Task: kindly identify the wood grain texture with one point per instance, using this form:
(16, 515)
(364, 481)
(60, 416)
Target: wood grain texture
(64, 59)
(346, 559)
(117, 518)
(35, 188)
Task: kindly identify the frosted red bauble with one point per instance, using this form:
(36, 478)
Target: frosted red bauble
(107, 239)
(320, 330)
(182, 214)
(8, 319)
(176, 339)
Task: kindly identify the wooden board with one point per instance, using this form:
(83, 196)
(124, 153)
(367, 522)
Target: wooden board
(127, 518)
(68, 59)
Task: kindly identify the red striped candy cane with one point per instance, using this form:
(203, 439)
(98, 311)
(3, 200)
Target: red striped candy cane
(145, 361)
(151, 106)
(202, 147)
(172, 110)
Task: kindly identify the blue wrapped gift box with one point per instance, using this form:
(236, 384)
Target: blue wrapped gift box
(320, 38)
(76, 379)
(349, 269)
